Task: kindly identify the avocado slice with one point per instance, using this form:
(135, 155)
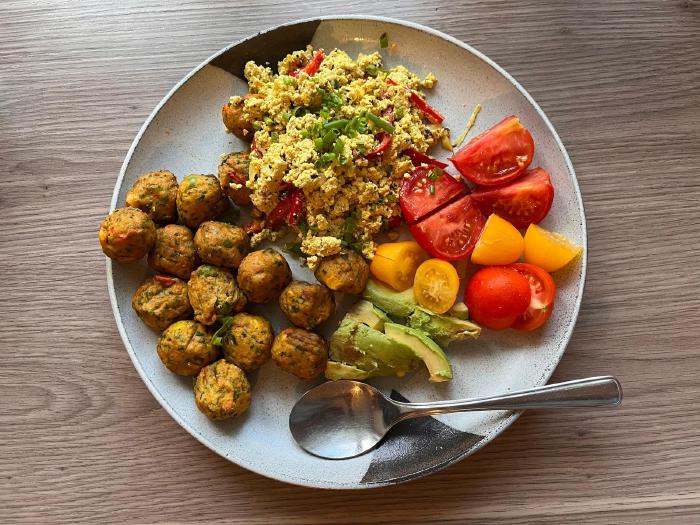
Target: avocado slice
(432, 355)
(365, 348)
(365, 312)
(460, 311)
(441, 328)
(400, 304)
(335, 370)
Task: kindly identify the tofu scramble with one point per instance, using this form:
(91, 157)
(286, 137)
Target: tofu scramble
(327, 135)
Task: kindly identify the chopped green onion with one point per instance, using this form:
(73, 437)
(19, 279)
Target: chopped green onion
(288, 80)
(328, 140)
(380, 122)
(349, 228)
(431, 189)
(391, 197)
(318, 144)
(372, 70)
(342, 160)
(336, 124)
(286, 116)
(384, 41)
(274, 136)
(268, 121)
(399, 113)
(435, 174)
(299, 111)
(328, 157)
(256, 126)
(338, 147)
(217, 338)
(324, 113)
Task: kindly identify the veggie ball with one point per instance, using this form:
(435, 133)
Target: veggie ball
(222, 391)
(127, 234)
(214, 294)
(263, 274)
(185, 347)
(306, 304)
(161, 300)
(155, 193)
(345, 272)
(173, 251)
(233, 175)
(221, 244)
(199, 199)
(248, 341)
(239, 117)
(300, 352)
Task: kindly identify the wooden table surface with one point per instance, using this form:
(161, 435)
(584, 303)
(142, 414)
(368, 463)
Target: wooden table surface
(81, 438)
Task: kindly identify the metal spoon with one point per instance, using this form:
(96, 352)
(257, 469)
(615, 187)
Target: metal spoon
(343, 419)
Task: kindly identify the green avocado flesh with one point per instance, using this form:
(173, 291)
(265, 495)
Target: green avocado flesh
(432, 355)
(335, 370)
(441, 328)
(364, 348)
(400, 304)
(365, 312)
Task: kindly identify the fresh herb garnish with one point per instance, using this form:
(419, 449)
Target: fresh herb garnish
(383, 41)
(431, 189)
(379, 122)
(217, 338)
(435, 174)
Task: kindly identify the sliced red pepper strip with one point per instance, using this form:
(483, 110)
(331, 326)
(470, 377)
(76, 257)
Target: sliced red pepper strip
(391, 82)
(432, 113)
(237, 178)
(255, 226)
(312, 67)
(384, 141)
(418, 158)
(165, 280)
(288, 210)
(254, 148)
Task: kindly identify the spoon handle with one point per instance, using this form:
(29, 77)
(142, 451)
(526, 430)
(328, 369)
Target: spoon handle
(590, 392)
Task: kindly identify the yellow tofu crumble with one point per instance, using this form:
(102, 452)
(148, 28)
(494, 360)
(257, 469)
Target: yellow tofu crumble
(317, 133)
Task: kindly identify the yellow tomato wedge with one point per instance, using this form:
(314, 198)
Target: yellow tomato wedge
(548, 250)
(500, 243)
(395, 263)
(436, 285)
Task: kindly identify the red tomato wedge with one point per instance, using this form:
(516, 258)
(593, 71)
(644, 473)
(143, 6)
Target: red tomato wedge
(425, 191)
(522, 202)
(451, 232)
(498, 155)
(542, 292)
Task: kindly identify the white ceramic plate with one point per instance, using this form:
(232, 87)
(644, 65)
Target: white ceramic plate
(184, 134)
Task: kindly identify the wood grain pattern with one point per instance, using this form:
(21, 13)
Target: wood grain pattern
(83, 440)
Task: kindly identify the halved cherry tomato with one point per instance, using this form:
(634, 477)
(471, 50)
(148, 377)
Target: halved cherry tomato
(548, 250)
(418, 158)
(498, 155)
(312, 67)
(425, 191)
(542, 292)
(436, 285)
(499, 243)
(395, 263)
(522, 202)
(451, 232)
(496, 296)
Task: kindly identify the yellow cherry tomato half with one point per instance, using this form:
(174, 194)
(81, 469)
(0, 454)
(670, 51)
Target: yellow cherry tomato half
(436, 285)
(548, 250)
(395, 263)
(500, 243)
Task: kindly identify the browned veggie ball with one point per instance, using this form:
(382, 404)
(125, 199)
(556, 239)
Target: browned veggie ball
(173, 251)
(199, 199)
(222, 391)
(233, 175)
(238, 116)
(306, 304)
(263, 274)
(247, 341)
(161, 300)
(345, 272)
(300, 352)
(221, 244)
(185, 347)
(214, 294)
(127, 234)
(155, 193)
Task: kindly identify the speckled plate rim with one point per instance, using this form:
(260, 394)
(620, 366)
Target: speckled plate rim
(543, 378)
